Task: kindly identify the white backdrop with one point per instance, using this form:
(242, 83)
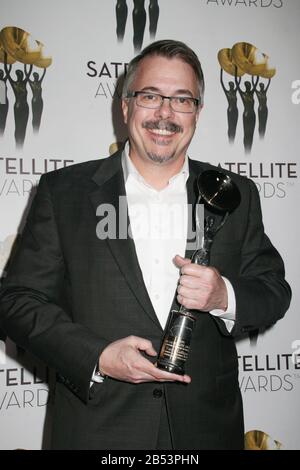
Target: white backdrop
(79, 122)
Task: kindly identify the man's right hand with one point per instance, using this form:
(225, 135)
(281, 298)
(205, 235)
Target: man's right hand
(122, 360)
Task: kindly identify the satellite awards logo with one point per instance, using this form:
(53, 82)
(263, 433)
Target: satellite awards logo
(139, 18)
(244, 58)
(16, 45)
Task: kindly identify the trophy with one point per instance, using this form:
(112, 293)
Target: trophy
(221, 196)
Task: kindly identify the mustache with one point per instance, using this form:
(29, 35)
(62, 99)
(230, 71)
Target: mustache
(163, 126)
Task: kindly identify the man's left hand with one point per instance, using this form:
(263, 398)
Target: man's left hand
(200, 287)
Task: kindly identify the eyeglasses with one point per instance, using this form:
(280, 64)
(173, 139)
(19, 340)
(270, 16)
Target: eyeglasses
(179, 104)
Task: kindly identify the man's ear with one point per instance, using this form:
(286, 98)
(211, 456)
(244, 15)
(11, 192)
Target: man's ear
(125, 109)
(198, 112)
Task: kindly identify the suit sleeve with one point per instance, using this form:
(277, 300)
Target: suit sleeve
(30, 312)
(262, 294)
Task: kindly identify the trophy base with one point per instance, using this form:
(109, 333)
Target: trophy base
(173, 368)
(176, 342)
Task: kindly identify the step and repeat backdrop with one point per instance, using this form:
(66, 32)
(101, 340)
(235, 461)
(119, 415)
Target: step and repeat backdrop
(61, 69)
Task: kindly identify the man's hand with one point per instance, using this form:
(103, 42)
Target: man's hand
(200, 287)
(122, 360)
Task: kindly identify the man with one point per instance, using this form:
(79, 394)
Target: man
(82, 301)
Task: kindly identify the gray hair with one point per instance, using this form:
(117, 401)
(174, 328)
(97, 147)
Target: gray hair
(166, 48)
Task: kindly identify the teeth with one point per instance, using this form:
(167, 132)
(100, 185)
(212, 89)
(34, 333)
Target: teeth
(161, 132)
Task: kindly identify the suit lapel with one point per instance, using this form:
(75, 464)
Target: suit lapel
(110, 181)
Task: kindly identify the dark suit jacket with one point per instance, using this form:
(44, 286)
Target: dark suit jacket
(68, 295)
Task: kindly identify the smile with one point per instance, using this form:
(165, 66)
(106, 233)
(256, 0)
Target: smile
(161, 132)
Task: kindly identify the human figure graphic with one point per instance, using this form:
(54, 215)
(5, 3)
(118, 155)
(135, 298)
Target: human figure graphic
(37, 100)
(232, 110)
(121, 15)
(139, 18)
(4, 103)
(139, 22)
(262, 107)
(153, 17)
(249, 117)
(21, 108)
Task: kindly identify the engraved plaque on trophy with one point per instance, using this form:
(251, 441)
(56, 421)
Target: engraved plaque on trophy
(219, 193)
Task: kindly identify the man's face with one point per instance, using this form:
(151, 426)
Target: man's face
(161, 136)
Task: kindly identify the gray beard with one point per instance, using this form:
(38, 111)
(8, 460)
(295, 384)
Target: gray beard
(159, 158)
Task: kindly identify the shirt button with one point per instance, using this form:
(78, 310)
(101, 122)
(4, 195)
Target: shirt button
(157, 393)
(156, 261)
(156, 296)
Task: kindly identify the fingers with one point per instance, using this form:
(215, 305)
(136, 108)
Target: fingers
(196, 270)
(192, 269)
(180, 262)
(123, 360)
(151, 373)
(196, 287)
(197, 297)
(202, 288)
(192, 304)
(162, 376)
(193, 294)
(194, 282)
(144, 345)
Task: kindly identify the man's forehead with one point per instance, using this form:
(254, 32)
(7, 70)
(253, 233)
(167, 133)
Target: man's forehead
(161, 68)
(155, 59)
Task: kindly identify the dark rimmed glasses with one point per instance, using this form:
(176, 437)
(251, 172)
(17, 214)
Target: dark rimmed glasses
(179, 104)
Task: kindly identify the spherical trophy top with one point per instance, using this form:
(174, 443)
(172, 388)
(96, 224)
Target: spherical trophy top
(218, 191)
